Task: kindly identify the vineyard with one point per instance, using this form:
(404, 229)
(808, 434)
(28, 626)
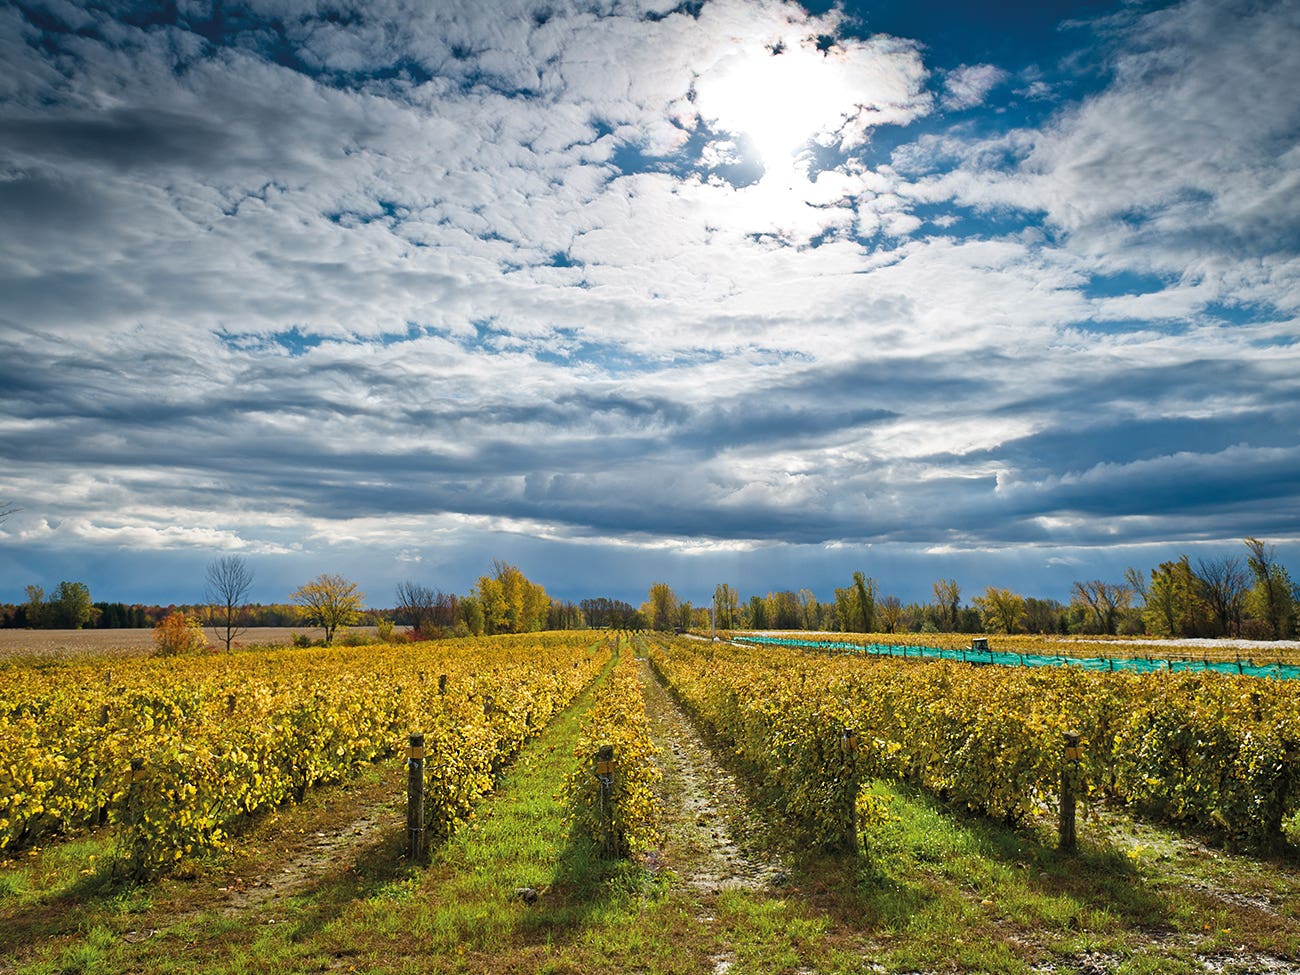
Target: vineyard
(541, 772)
(176, 753)
(1215, 752)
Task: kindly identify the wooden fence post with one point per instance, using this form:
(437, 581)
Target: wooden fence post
(100, 813)
(602, 764)
(1069, 778)
(415, 799)
(849, 745)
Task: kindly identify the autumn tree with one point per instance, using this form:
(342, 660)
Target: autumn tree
(229, 580)
(726, 606)
(661, 606)
(177, 633)
(1001, 610)
(329, 601)
(783, 610)
(510, 602)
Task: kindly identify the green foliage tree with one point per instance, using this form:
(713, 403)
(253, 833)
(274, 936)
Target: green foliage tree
(70, 606)
(329, 601)
(36, 609)
(1043, 615)
(810, 611)
(855, 605)
(1174, 604)
(1273, 597)
(471, 612)
(866, 604)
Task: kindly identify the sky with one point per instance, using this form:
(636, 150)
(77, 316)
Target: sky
(626, 291)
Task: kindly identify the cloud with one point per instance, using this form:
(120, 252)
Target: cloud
(968, 85)
(304, 284)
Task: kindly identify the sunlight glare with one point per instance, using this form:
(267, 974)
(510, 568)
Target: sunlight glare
(780, 102)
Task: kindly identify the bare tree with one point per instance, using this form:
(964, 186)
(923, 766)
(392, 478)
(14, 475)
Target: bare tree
(1137, 581)
(415, 605)
(7, 509)
(889, 613)
(425, 610)
(1105, 599)
(947, 598)
(1224, 583)
(229, 582)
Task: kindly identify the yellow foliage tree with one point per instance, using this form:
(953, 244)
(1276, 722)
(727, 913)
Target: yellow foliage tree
(510, 602)
(329, 601)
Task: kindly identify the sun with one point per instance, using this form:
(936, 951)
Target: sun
(779, 98)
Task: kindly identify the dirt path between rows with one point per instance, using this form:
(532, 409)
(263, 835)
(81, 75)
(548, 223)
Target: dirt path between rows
(706, 815)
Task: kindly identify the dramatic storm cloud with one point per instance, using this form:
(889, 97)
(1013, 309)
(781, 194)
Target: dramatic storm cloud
(724, 290)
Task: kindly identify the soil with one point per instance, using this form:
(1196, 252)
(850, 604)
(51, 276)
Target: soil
(706, 815)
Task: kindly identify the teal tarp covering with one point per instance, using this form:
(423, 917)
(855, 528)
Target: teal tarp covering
(1141, 665)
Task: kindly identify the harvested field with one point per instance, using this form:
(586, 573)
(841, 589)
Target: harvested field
(69, 644)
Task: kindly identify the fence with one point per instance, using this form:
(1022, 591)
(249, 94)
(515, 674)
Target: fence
(1141, 665)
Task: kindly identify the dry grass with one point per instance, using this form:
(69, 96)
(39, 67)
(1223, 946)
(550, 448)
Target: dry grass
(73, 644)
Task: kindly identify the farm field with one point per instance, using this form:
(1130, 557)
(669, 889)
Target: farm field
(124, 643)
(725, 876)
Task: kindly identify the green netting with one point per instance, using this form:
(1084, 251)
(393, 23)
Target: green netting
(1141, 665)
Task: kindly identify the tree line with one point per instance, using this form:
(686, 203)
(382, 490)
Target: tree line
(1250, 596)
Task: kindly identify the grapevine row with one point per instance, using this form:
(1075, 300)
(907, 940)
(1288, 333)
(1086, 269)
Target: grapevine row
(216, 739)
(611, 792)
(1210, 751)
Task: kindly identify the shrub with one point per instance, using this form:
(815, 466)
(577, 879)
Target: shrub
(176, 634)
